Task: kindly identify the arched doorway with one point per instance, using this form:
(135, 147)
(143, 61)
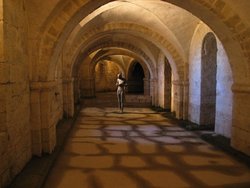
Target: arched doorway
(168, 85)
(136, 78)
(208, 80)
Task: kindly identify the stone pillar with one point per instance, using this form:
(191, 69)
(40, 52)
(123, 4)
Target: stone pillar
(185, 99)
(68, 97)
(88, 87)
(77, 90)
(178, 99)
(43, 126)
(146, 86)
(92, 87)
(241, 118)
(167, 90)
(153, 92)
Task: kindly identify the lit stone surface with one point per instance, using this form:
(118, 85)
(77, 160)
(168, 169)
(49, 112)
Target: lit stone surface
(82, 148)
(115, 133)
(48, 56)
(212, 178)
(203, 161)
(132, 162)
(87, 133)
(163, 160)
(146, 148)
(69, 178)
(108, 179)
(119, 127)
(89, 140)
(133, 134)
(114, 147)
(86, 126)
(88, 162)
(209, 149)
(138, 160)
(175, 148)
(162, 179)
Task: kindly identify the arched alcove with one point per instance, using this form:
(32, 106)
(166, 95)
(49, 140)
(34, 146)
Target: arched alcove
(136, 78)
(168, 85)
(208, 80)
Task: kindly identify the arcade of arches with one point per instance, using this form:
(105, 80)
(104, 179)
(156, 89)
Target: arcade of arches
(192, 57)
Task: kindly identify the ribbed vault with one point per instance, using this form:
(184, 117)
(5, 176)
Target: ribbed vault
(109, 53)
(112, 30)
(68, 14)
(137, 53)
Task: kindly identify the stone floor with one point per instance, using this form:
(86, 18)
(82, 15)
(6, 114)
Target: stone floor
(140, 148)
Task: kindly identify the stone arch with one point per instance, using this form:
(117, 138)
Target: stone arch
(52, 34)
(94, 63)
(101, 56)
(125, 52)
(232, 30)
(153, 34)
(123, 45)
(104, 56)
(110, 51)
(224, 81)
(176, 60)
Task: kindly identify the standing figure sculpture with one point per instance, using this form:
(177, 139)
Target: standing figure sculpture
(121, 84)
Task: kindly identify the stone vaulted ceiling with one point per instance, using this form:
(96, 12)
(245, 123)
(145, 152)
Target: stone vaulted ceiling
(73, 29)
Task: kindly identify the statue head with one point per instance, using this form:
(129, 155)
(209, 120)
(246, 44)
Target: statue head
(119, 75)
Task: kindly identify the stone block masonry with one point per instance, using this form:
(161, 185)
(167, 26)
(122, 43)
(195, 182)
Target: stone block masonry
(15, 138)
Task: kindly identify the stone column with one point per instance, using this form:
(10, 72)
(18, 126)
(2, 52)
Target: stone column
(178, 99)
(68, 97)
(241, 118)
(185, 99)
(153, 92)
(167, 91)
(77, 90)
(88, 87)
(92, 87)
(43, 126)
(146, 86)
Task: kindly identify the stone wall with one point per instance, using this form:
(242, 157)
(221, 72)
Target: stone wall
(241, 129)
(15, 137)
(105, 76)
(87, 84)
(161, 82)
(138, 100)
